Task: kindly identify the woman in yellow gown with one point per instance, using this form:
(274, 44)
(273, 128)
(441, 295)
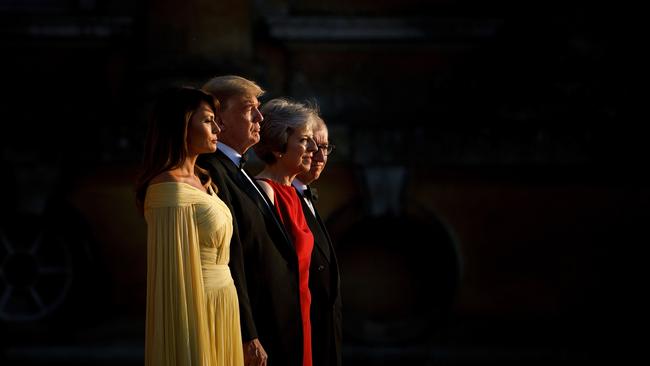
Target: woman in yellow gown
(192, 309)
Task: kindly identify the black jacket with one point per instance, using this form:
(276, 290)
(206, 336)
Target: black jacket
(325, 288)
(263, 263)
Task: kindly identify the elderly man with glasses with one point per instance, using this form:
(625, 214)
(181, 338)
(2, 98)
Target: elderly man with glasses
(324, 277)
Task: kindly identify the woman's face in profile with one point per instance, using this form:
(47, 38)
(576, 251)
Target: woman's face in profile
(202, 131)
(300, 150)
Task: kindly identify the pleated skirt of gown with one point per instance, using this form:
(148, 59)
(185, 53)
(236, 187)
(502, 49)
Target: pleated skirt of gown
(222, 310)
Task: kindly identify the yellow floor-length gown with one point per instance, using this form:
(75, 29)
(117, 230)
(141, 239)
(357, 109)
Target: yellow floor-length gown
(192, 307)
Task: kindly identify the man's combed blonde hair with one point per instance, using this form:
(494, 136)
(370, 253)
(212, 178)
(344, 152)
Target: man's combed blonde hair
(225, 87)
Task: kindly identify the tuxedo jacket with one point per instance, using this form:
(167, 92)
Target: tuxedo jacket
(325, 288)
(263, 263)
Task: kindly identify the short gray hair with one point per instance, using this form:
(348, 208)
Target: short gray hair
(282, 117)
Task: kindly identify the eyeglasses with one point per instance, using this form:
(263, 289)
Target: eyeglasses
(326, 149)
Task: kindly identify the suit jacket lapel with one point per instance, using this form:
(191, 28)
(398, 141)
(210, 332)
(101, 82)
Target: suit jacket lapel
(324, 247)
(262, 203)
(322, 225)
(251, 191)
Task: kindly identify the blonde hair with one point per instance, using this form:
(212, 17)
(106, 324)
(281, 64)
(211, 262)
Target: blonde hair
(225, 87)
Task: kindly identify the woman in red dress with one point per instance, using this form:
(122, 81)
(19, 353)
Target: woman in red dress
(287, 146)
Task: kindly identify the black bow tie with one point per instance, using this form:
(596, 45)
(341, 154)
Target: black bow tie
(311, 194)
(242, 161)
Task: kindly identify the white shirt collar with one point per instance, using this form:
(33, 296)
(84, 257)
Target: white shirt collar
(233, 155)
(299, 185)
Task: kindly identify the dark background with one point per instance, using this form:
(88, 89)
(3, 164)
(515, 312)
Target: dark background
(487, 195)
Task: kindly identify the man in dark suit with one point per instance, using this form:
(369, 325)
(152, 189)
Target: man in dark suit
(324, 277)
(263, 260)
